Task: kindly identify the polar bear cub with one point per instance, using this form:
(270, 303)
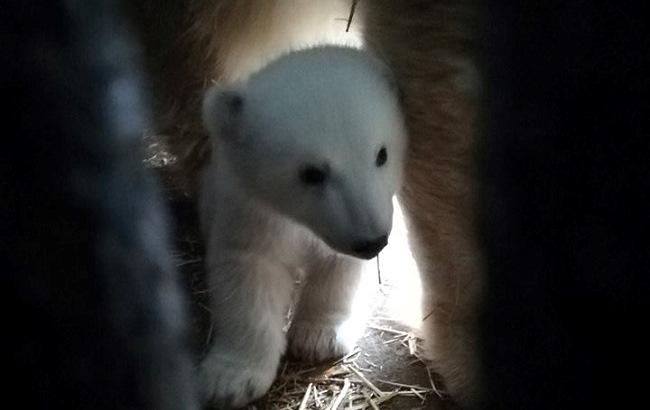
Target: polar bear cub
(306, 158)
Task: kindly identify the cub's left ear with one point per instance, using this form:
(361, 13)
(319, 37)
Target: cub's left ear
(222, 112)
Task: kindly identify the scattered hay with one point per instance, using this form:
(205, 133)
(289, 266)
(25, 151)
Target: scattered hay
(342, 385)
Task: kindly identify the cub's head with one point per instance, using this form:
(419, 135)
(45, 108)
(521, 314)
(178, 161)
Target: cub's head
(318, 136)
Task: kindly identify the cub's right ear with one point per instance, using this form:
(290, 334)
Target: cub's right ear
(222, 111)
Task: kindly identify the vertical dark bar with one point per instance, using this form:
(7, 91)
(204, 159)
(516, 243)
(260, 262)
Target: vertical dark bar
(91, 312)
(566, 174)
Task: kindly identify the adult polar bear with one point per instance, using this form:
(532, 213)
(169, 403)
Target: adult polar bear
(429, 46)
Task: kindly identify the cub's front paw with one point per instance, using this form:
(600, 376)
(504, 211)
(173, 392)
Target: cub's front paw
(314, 341)
(229, 383)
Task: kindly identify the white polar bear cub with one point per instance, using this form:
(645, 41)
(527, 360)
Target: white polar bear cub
(307, 155)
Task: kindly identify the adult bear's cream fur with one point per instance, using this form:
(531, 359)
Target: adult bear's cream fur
(430, 47)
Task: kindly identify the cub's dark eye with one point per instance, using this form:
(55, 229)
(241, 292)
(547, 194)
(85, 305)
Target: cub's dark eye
(382, 156)
(314, 176)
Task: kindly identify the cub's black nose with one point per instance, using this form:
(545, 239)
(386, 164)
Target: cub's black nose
(370, 249)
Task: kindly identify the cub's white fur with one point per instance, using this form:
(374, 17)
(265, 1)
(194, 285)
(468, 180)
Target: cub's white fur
(296, 188)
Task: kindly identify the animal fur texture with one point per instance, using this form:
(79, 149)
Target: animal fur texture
(429, 46)
(189, 44)
(307, 156)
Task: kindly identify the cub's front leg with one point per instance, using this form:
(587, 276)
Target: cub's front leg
(249, 299)
(328, 322)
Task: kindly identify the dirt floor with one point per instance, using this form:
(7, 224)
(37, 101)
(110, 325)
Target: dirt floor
(385, 371)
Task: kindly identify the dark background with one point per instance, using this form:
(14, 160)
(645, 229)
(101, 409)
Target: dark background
(566, 176)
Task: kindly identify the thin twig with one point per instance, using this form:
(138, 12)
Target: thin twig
(433, 385)
(188, 262)
(316, 393)
(367, 382)
(388, 330)
(378, 270)
(305, 399)
(421, 397)
(408, 386)
(412, 345)
(347, 357)
(339, 399)
(354, 6)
